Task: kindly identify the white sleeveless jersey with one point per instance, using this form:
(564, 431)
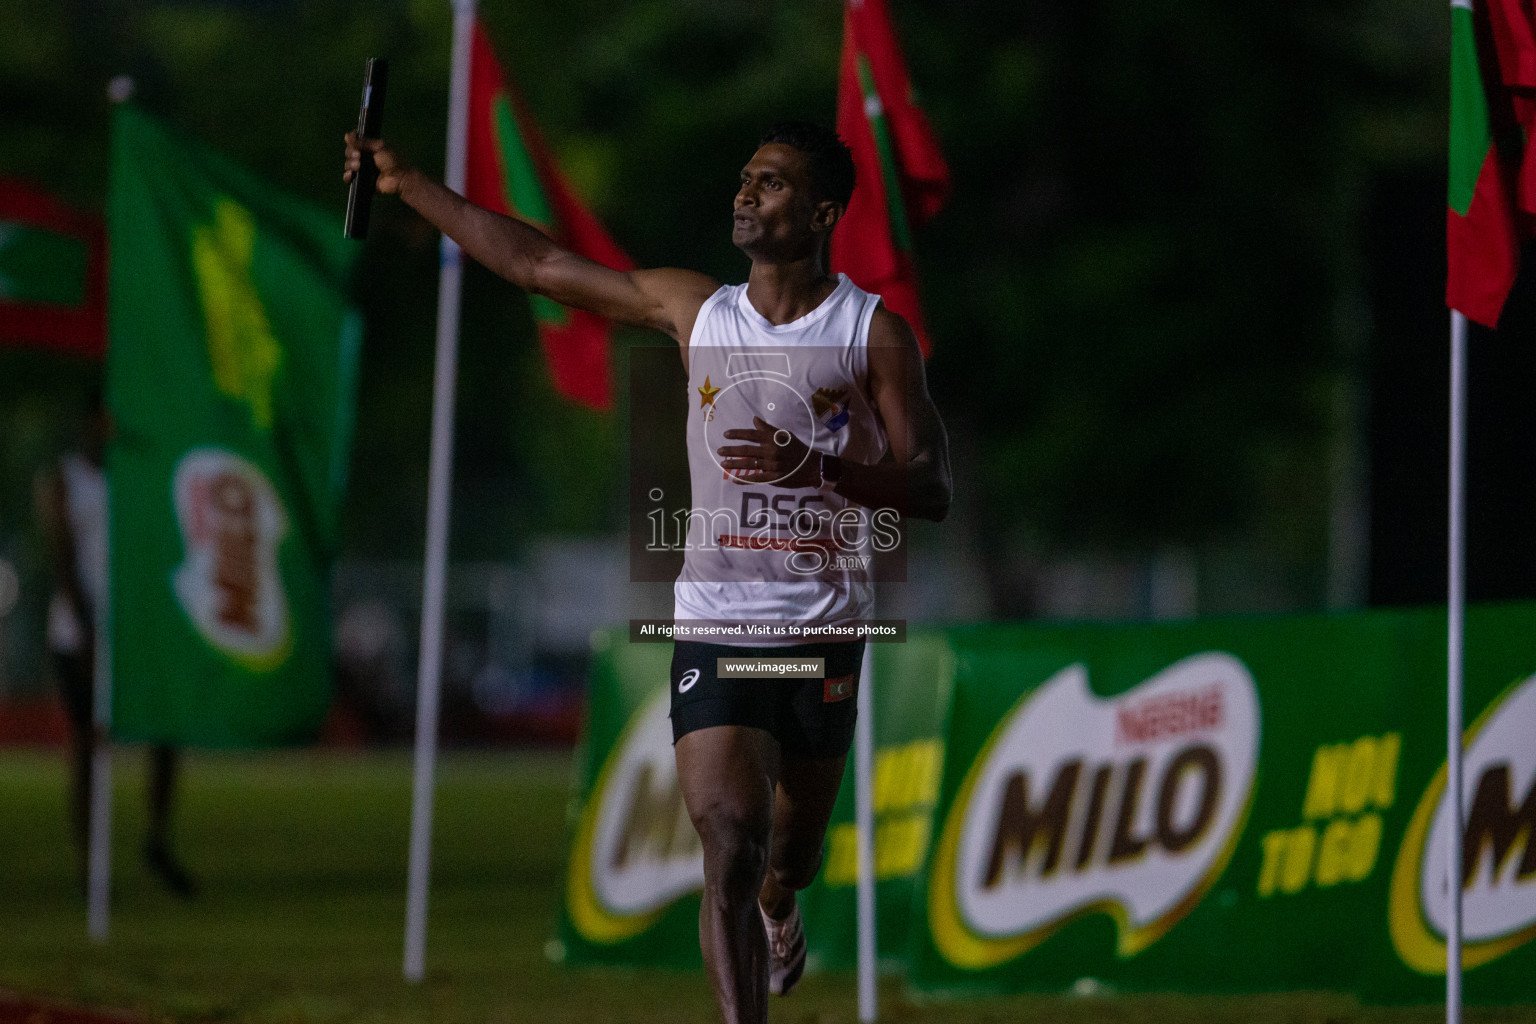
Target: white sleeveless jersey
(759, 553)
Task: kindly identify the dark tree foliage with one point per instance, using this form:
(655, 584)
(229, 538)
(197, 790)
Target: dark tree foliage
(1143, 294)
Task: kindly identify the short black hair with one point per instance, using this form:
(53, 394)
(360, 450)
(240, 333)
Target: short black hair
(828, 157)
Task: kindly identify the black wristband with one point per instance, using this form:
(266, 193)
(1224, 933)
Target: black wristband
(831, 471)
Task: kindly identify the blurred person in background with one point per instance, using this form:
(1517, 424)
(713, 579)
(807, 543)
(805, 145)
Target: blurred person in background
(759, 763)
(72, 507)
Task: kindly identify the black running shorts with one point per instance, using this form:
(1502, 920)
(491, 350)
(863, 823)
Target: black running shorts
(811, 718)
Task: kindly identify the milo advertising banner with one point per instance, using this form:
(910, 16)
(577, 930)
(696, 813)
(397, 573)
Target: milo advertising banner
(636, 868)
(911, 691)
(1235, 805)
(230, 374)
(1232, 806)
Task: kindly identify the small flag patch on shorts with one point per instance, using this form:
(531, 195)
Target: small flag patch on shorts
(837, 689)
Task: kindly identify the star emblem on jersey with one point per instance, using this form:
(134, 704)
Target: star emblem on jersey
(707, 394)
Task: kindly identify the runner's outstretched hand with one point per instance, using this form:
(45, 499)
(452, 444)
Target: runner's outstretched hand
(392, 167)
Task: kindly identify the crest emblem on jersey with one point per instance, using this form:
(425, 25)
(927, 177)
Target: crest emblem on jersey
(831, 407)
(827, 400)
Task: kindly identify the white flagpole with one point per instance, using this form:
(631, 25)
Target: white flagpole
(1456, 606)
(98, 869)
(864, 823)
(98, 856)
(440, 474)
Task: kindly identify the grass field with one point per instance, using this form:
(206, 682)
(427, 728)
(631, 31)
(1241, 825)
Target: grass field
(301, 859)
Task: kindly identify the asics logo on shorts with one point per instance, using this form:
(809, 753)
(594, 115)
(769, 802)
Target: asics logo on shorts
(686, 682)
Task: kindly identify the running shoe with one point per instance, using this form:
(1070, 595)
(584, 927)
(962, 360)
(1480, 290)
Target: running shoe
(786, 950)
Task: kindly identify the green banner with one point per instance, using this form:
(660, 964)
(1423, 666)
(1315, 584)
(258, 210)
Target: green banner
(231, 372)
(912, 683)
(1232, 806)
(1238, 805)
(636, 867)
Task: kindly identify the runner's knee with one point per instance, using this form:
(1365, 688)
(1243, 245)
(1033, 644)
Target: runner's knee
(735, 851)
(795, 867)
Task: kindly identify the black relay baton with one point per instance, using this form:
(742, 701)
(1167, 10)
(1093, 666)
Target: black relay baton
(370, 122)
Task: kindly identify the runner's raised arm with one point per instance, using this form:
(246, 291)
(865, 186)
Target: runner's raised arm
(666, 300)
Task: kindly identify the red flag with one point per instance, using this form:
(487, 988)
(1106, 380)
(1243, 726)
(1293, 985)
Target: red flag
(53, 273)
(510, 170)
(902, 178)
(1491, 198)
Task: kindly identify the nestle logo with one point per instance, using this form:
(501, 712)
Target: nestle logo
(1172, 714)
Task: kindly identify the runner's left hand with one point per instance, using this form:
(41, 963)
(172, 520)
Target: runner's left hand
(775, 457)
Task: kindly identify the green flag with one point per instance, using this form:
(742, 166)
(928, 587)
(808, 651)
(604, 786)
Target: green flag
(231, 370)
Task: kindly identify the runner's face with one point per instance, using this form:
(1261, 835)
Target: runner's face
(775, 216)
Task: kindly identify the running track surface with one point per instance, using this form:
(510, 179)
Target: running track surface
(15, 1010)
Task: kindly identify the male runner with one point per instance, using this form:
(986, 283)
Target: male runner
(759, 761)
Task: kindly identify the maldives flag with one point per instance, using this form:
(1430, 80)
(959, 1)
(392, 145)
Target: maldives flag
(53, 273)
(902, 178)
(1490, 199)
(511, 171)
